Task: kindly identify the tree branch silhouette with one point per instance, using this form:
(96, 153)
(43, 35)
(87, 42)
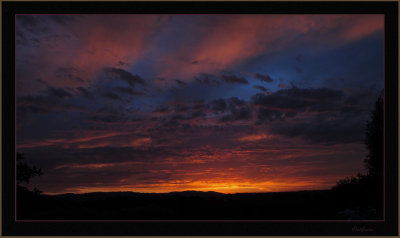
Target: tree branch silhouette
(26, 172)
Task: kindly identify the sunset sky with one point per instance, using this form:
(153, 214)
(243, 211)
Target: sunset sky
(226, 103)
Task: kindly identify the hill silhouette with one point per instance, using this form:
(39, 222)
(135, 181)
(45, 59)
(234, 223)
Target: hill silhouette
(197, 205)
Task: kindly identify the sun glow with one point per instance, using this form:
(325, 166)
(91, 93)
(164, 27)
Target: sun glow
(205, 186)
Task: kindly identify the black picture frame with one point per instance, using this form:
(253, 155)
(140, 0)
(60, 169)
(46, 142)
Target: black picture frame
(12, 227)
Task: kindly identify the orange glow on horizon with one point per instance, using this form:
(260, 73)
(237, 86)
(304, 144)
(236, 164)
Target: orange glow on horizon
(255, 137)
(206, 186)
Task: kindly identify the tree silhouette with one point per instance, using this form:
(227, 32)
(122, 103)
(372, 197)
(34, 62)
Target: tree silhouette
(374, 141)
(26, 172)
(367, 189)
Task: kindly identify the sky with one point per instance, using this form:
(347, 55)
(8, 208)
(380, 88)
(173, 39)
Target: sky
(225, 103)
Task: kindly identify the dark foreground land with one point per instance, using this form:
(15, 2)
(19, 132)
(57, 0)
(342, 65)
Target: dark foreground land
(193, 205)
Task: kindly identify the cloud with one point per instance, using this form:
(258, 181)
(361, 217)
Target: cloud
(58, 92)
(325, 129)
(223, 42)
(85, 92)
(126, 76)
(180, 82)
(263, 78)
(243, 113)
(141, 142)
(127, 90)
(256, 137)
(70, 73)
(262, 88)
(49, 100)
(318, 115)
(282, 85)
(77, 39)
(297, 100)
(215, 43)
(111, 95)
(85, 99)
(234, 79)
(20, 38)
(182, 108)
(231, 109)
(207, 79)
(218, 105)
(107, 118)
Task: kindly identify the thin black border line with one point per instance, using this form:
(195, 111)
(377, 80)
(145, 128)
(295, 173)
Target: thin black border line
(188, 221)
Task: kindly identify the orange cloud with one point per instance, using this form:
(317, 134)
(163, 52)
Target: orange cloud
(74, 140)
(141, 142)
(255, 137)
(221, 171)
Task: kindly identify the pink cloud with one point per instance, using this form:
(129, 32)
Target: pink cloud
(92, 42)
(232, 39)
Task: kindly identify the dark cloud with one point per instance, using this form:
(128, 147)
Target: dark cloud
(282, 85)
(325, 129)
(44, 156)
(218, 105)
(207, 79)
(84, 92)
(238, 110)
(40, 81)
(236, 102)
(20, 38)
(108, 118)
(180, 82)
(58, 92)
(231, 109)
(162, 109)
(182, 108)
(127, 90)
(49, 100)
(234, 79)
(262, 88)
(26, 105)
(56, 40)
(288, 103)
(72, 178)
(79, 79)
(178, 117)
(199, 105)
(331, 116)
(299, 70)
(263, 78)
(198, 114)
(243, 113)
(319, 99)
(111, 95)
(70, 73)
(126, 76)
